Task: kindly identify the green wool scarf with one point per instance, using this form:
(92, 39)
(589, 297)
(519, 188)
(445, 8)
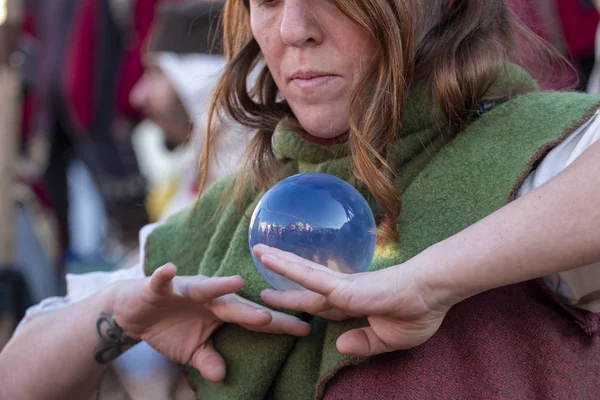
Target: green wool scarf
(446, 184)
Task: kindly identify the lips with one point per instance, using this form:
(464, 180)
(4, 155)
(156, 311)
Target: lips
(307, 80)
(307, 75)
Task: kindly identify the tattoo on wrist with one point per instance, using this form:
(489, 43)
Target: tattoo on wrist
(113, 340)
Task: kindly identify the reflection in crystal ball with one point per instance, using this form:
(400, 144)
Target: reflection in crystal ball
(318, 217)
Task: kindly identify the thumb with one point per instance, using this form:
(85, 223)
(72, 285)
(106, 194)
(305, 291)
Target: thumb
(361, 342)
(210, 363)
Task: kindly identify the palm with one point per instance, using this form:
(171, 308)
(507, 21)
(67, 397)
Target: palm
(181, 332)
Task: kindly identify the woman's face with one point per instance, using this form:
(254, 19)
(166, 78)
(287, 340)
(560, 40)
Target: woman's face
(316, 55)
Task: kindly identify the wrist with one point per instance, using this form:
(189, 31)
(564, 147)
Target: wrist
(113, 340)
(443, 281)
(118, 303)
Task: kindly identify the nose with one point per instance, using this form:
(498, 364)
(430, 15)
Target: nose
(138, 97)
(299, 26)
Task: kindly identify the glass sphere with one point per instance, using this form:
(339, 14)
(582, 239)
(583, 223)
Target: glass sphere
(318, 217)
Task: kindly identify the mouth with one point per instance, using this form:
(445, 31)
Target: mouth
(307, 80)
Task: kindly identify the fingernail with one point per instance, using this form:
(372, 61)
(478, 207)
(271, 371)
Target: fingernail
(260, 311)
(261, 247)
(271, 257)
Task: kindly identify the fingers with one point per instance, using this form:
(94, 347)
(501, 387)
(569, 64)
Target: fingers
(236, 310)
(261, 250)
(282, 324)
(335, 315)
(160, 281)
(210, 363)
(203, 290)
(361, 342)
(300, 300)
(312, 276)
(305, 301)
(233, 310)
(198, 288)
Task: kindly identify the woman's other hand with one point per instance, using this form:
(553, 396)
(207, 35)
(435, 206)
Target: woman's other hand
(177, 316)
(401, 310)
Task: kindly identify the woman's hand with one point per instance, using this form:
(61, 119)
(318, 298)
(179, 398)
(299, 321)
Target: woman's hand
(178, 315)
(400, 307)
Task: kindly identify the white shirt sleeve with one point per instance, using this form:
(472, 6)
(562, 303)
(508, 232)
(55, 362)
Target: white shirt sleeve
(563, 155)
(579, 287)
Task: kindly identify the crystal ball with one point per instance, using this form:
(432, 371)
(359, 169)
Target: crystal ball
(318, 217)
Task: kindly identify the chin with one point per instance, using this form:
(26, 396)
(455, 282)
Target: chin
(324, 128)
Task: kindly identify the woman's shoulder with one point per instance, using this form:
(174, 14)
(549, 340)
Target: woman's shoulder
(537, 104)
(542, 119)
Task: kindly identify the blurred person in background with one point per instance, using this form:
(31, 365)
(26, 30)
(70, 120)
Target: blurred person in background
(182, 66)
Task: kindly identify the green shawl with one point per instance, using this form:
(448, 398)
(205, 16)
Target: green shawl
(446, 184)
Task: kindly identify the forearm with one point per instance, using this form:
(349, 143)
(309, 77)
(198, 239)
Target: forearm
(59, 355)
(552, 229)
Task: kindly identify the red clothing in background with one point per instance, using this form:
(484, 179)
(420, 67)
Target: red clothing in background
(579, 22)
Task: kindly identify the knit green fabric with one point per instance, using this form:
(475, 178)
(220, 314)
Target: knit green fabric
(446, 186)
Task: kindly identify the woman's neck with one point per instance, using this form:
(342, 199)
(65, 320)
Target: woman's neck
(324, 141)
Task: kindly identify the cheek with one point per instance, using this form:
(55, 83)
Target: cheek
(162, 97)
(262, 27)
(265, 29)
(272, 55)
(359, 50)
